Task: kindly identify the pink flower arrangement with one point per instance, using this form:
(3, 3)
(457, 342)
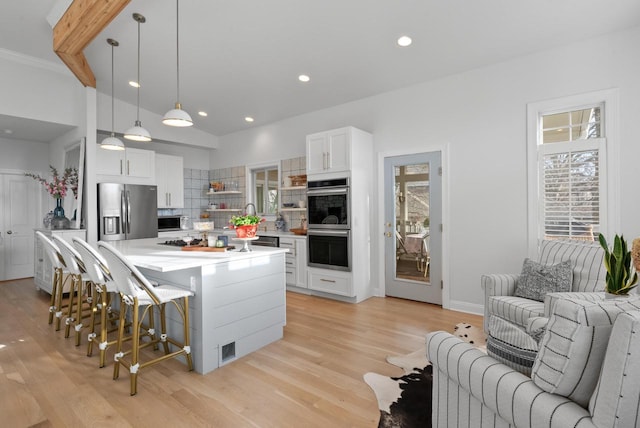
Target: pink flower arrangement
(57, 187)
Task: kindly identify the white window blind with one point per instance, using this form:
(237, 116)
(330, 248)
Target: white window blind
(571, 191)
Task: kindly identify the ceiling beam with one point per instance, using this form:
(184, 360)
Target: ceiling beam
(80, 24)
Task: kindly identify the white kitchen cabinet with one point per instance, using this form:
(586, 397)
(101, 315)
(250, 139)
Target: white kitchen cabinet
(331, 281)
(329, 151)
(130, 166)
(346, 153)
(170, 181)
(295, 261)
(43, 270)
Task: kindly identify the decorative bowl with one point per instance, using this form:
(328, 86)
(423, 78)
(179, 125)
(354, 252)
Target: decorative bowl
(299, 231)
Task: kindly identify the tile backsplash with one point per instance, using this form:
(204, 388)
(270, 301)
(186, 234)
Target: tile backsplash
(197, 196)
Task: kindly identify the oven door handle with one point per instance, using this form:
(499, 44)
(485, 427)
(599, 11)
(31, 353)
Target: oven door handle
(331, 191)
(327, 232)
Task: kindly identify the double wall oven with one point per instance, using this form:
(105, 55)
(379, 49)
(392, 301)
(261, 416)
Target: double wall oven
(329, 224)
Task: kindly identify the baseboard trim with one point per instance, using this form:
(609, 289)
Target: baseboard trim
(471, 308)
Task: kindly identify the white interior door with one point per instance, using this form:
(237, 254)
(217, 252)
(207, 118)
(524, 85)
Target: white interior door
(413, 237)
(19, 215)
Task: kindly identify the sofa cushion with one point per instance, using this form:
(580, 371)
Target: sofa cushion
(615, 400)
(511, 345)
(515, 309)
(586, 258)
(536, 280)
(573, 347)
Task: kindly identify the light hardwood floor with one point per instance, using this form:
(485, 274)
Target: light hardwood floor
(311, 378)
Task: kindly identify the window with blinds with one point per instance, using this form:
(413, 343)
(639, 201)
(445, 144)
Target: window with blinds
(570, 150)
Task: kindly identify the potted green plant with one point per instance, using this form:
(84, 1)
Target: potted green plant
(246, 226)
(621, 274)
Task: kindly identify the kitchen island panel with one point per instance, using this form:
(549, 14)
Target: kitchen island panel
(239, 305)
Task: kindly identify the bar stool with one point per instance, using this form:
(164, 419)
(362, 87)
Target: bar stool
(80, 291)
(56, 305)
(139, 296)
(96, 267)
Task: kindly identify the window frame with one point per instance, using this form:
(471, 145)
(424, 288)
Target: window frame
(608, 153)
(251, 194)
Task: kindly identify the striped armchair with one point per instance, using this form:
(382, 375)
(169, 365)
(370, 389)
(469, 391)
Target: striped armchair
(585, 374)
(588, 277)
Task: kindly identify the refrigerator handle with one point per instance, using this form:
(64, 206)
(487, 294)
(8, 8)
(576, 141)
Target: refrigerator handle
(123, 213)
(128, 213)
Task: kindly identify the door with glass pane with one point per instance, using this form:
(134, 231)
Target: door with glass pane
(413, 215)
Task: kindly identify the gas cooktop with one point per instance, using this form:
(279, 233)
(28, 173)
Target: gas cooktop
(180, 242)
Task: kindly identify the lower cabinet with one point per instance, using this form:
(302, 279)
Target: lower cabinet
(329, 281)
(295, 261)
(43, 270)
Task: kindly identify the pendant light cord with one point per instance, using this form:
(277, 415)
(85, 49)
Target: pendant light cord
(138, 109)
(177, 52)
(112, 92)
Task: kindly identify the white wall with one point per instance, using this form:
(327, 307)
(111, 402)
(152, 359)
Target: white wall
(24, 155)
(480, 116)
(35, 89)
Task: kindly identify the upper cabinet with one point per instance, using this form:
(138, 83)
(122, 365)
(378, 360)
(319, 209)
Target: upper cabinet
(130, 166)
(170, 181)
(329, 151)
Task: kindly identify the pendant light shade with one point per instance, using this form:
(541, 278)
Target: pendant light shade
(177, 116)
(111, 142)
(137, 132)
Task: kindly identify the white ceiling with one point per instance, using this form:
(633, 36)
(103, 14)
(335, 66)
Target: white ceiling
(242, 58)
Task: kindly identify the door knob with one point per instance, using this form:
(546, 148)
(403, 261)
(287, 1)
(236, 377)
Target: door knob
(9, 232)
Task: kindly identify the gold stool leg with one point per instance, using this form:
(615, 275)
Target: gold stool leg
(135, 348)
(59, 297)
(95, 305)
(163, 327)
(54, 289)
(78, 321)
(118, 352)
(72, 299)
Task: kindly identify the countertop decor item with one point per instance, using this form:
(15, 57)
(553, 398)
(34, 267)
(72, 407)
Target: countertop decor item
(298, 231)
(58, 188)
(621, 274)
(246, 226)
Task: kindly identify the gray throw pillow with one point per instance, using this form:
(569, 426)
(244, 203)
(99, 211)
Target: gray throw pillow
(536, 279)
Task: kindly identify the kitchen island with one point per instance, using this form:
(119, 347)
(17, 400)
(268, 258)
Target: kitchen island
(239, 304)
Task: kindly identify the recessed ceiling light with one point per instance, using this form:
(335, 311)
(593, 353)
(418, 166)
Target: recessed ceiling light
(134, 84)
(248, 119)
(203, 113)
(404, 41)
(304, 78)
(8, 131)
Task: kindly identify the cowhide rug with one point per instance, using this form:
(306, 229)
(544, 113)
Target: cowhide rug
(405, 401)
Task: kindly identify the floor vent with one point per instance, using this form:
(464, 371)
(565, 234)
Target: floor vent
(228, 351)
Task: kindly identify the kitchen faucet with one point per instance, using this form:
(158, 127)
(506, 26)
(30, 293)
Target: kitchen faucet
(247, 206)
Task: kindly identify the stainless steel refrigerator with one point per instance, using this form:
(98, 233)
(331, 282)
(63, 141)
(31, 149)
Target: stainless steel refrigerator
(127, 211)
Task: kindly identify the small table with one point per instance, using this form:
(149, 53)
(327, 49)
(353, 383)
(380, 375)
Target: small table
(416, 243)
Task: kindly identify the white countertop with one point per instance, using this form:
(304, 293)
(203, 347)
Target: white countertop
(150, 254)
(230, 232)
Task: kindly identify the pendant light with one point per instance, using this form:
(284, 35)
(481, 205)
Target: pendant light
(177, 116)
(138, 133)
(111, 142)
